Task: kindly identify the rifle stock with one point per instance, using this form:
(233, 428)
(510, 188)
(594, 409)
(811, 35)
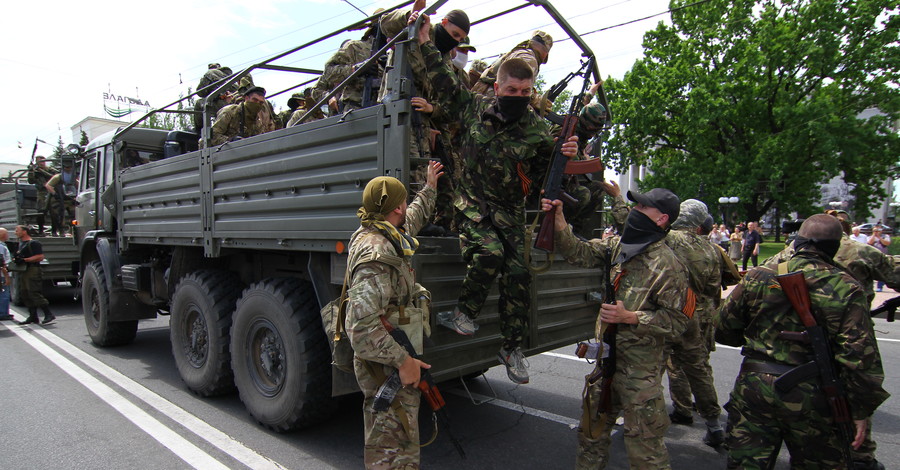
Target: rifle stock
(608, 364)
(889, 306)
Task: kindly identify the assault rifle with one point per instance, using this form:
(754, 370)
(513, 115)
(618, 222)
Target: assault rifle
(372, 82)
(561, 86)
(388, 390)
(553, 183)
(794, 286)
(889, 306)
(606, 364)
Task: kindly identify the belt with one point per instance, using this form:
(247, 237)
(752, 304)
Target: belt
(772, 368)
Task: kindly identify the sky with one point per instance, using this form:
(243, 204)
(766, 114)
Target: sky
(60, 57)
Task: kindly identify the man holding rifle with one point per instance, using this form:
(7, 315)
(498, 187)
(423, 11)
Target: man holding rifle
(786, 391)
(504, 148)
(382, 287)
(653, 305)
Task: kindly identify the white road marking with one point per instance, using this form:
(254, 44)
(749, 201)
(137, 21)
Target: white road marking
(571, 423)
(201, 428)
(191, 454)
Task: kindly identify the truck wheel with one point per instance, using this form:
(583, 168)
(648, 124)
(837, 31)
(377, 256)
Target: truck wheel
(15, 291)
(280, 356)
(199, 330)
(95, 304)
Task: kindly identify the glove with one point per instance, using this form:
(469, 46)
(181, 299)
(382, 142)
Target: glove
(362, 66)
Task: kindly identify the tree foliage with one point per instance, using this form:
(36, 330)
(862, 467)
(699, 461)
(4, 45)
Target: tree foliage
(762, 99)
(173, 121)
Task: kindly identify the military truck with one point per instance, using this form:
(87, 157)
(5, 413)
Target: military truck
(18, 206)
(243, 243)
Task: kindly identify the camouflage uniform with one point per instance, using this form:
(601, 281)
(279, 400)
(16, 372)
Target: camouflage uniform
(688, 367)
(654, 284)
(866, 264)
(499, 162)
(39, 176)
(339, 67)
(524, 51)
(210, 77)
(376, 288)
(231, 122)
(753, 316)
(587, 192)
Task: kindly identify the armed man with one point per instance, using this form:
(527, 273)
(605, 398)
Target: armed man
(350, 57)
(654, 304)
(382, 284)
(504, 147)
(211, 80)
(780, 394)
(62, 189)
(246, 119)
(38, 175)
(866, 264)
(690, 352)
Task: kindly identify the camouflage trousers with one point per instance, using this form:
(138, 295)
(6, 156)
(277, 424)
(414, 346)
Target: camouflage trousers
(31, 285)
(491, 251)
(636, 394)
(690, 373)
(391, 440)
(759, 420)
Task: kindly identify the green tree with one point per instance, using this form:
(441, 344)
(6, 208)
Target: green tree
(760, 99)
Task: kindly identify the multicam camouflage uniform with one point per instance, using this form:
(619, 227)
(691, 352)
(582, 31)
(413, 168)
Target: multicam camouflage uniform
(753, 316)
(524, 51)
(499, 162)
(654, 284)
(376, 288)
(866, 264)
(204, 89)
(232, 122)
(689, 368)
(339, 67)
(39, 176)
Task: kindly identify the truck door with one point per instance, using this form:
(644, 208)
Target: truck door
(86, 210)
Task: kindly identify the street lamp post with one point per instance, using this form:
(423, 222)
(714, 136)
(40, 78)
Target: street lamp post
(724, 202)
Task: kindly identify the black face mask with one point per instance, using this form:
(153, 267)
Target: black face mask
(640, 231)
(828, 247)
(443, 40)
(513, 107)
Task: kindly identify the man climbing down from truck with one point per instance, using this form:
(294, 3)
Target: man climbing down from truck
(504, 147)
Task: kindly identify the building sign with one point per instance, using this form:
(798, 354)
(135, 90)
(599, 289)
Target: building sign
(119, 106)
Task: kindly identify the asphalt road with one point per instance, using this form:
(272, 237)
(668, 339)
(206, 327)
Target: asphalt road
(70, 405)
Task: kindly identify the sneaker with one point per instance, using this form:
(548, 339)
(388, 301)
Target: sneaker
(678, 418)
(457, 321)
(48, 320)
(714, 438)
(516, 365)
(29, 320)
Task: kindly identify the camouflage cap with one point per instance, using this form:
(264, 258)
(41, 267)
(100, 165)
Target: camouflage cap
(295, 100)
(692, 215)
(541, 37)
(213, 66)
(464, 45)
(591, 118)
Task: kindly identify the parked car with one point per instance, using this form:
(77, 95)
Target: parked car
(867, 229)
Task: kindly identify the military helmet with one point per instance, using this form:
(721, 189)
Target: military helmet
(541, 37)
(591, 118)
(295, 100)
(478, 65)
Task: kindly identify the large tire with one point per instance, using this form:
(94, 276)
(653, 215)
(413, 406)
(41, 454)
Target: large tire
(95, 304)
(199, 329)
(280, 356)
(15, 290)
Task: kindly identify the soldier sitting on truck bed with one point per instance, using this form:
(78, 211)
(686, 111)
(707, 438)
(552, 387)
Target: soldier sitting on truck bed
(208, 83)
(246, 119)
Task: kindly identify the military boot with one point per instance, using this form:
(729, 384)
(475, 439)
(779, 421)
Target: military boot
(48, 315)
(32, 316)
